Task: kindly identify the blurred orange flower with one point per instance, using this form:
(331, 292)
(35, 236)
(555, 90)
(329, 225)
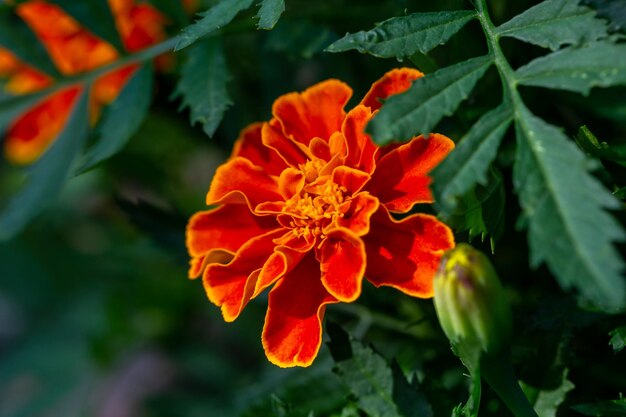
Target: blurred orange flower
(74, 50)
(304, 203)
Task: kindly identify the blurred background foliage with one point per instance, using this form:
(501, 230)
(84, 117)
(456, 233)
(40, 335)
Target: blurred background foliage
(97, 317)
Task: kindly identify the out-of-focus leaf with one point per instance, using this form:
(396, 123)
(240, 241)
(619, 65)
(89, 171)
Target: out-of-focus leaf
(546, 402)
(618, 338)
(48, 174)
(202, 85)
(299, 39)
(569, 227)
(614, 408)
(429, 99)
(122, 119)
(16, 36)
(599, 64)
(554, 23)
(620, 193)
(588, 142)
(96, 16)
(468, 163)
(269, 13)
(403, 36)
(613, 10)
(218, 16)
(173, 9)
(407, 395)
(369, 377)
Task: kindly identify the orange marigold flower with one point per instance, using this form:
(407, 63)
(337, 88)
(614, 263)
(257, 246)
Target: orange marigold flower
(304, 204)
(74, 50)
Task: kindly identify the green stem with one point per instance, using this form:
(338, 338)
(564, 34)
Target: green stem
(499, 374)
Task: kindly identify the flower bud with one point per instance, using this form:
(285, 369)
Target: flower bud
(470, 302)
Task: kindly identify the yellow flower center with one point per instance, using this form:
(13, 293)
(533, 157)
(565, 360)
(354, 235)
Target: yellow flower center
(314, 209)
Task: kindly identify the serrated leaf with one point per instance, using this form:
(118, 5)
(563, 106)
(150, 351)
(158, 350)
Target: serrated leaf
(408, 397)
(577, 69)
(218, 16)
(17, 36)
(568, 227)
(546, 402)
(96, 16)
(48, 174)
(618, 338)
(202, 85)
(614, 408)
(429, 99)
(403, 36)
(468, 163)
(588, 142)
(269, 13)
(613, 10)
(366, 373)
(554, 23)
(121, 119)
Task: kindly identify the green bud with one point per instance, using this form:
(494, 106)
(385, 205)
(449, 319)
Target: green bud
(471, 303)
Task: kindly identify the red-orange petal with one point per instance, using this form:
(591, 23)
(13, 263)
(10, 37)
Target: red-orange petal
(352, 179)
(231, 286)
(357, 216)
(285, 147)
(396, 81)
(31, 134)
(342, 262)
(316, 112)
(401, 177)
(361, 150)
(225, 228)
(405, 254)
(292, 333)
(250, 145)
(239, 181)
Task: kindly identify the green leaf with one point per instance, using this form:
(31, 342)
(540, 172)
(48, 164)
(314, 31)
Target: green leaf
(173, 9)
(546, 402)
(577, 69)
(269, 13)
(218, 16)
(369, 377)
(403, 36)
(470, 408)
(17, 36)
(94, 15)
(122, 119)
(588, 142)
(554, 23)
(614, 408)
(299, 39)
(202, 85)
(618, 338)
(613, 10)
(429, 99)
(480, 211)
(569, 228)
(48, 174)
(468, 163)
(407, 395)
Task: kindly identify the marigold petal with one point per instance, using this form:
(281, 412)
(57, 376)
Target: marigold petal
(231, 286)
(225, 228)
(290, 182)
(361, 149)
(250, 145)
(31, 134)
(405, 254)
(239, 181)
(285, 147)
(316, 112)
(279, 262)
(342, 262)
(292, 333)
(357, 217)
(352, 179)
(401, 177)
(396, 81)
(320, 148)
